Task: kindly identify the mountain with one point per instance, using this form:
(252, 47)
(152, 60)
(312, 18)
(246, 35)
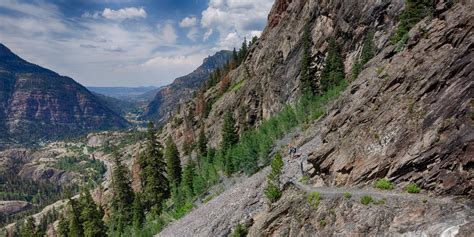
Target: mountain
(134, 93)
(165, 102)
(38, 104)
(403, 118)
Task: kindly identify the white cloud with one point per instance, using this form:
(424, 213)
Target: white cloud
(242, 17)
(193, 34)
(208, 34)
(188, 22)
(168, 33)
(124, 13)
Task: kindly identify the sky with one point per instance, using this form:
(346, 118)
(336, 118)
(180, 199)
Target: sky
(127, 42)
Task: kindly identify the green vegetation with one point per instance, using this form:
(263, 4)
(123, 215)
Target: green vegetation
(304, 179)
(273, 191)
(314, 199)
(38, 192)
(347, 195)
(121, 212)
(155, 186)
(92, 168)
(322, 222)
(415, 11)
(412, 188)
(246, 154)
(239, 231)
(366, 200)
(82, 217)
(383, 184)
(368, 52)
(333, 71)
(308, 84)
(379, 202)
(173, 163)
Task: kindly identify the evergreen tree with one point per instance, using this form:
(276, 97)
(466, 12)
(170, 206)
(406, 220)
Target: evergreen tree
(155, 185)
(29, 229)
(368, 48)
(173, 163)
(307, 82)
(75, 224)
(91, 218)
(415, 11)
(202, 144)
(243, 51)
(63, 226)
(235, 56)
(188, 176)
(333, 72)
(138, 213)
(273, 191)
(229, 133)
(122, 197)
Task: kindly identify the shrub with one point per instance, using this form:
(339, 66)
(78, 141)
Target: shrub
(366, 200)
(314, 199)
(379, 202)
(272, 192)
(415, 11)
(322, 223)
(383, 184)
(347, 195)
(239, 231)
(412, 188)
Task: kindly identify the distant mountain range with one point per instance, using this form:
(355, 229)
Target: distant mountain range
(144, 93)
(38, 104)
(168, 98)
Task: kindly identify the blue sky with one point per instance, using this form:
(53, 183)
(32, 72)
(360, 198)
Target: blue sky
(127, 42)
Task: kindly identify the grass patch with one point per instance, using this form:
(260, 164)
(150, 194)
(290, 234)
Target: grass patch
(412, 188)
(237, 86)
(314, 199)
(347, 195)
(366, 200)
(383, 184)
(322, 223)
(304, 180)
(239, 231)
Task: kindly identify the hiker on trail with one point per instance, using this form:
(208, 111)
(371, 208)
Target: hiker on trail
(292, 152)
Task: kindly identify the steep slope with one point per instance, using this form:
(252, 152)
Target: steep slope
(407, 117)
(166, 100)
(38, 104)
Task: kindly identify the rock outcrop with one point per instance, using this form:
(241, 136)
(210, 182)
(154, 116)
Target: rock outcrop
(38, 104)
(407, 117)
(167, 99)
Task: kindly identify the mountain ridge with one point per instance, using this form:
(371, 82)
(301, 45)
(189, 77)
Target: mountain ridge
(39, 104)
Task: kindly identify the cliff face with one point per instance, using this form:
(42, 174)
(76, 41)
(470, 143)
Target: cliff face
(165, 103)
(36, 103)
(407, 117)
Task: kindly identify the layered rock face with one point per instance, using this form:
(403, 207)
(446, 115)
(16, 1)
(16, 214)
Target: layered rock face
(165, 103)
(407, 117)
(37, 104)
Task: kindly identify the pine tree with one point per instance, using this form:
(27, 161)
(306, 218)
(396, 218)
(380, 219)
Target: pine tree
(155, 184)
(243, 51)
(138, 213)
(415, 11)
(307, 82)
(63, 226)
(202, 144)
(229, 133)
(368, 48)
(235, 56)
(122, 197)
(188, 176)
(29, 229)
(75, 224)
(91, 218)
(173, 163)
(333, 71)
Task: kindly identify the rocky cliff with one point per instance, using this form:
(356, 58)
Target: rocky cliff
(37, 103)
(407, 117)
(165, 103)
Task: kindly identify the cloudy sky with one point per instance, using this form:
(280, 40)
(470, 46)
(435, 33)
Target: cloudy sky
(127, 42)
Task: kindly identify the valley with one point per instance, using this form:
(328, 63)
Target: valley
(343, 118)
